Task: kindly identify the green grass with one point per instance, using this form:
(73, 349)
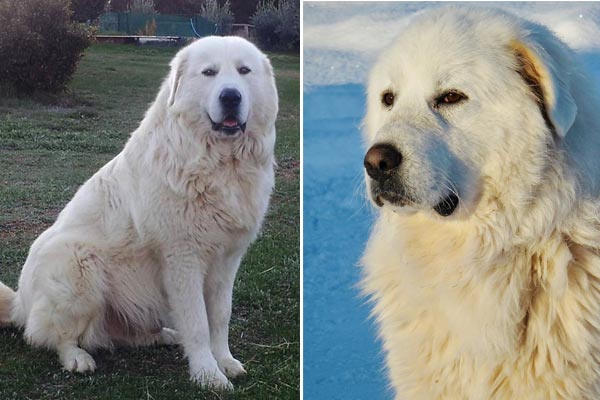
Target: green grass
(50, 145)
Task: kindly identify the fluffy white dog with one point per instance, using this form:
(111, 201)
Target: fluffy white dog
(155, 237)
(484, 263)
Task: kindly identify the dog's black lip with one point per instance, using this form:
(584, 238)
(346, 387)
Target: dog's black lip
(396, 198)
(228, 130)
(447, 206)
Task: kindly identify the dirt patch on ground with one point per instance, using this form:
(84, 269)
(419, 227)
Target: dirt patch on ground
(288, 168)
(16, 228)
(61, 103)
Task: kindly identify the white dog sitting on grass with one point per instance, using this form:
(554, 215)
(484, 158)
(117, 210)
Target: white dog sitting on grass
(154, 239)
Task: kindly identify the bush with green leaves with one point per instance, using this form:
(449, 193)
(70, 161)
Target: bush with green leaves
(219, 15)
(288, 29)
(265, 24)
(39, 44)
(277, 26)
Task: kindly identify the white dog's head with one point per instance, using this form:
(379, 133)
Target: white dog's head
(223, 85)
(464, 102)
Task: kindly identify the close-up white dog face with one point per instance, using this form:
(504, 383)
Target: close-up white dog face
(447, 103)
(229, 87)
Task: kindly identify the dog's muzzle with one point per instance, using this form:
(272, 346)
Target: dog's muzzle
(230, 124)
(382, 162)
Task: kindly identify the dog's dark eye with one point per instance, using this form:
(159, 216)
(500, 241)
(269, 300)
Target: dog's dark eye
(450, 97)
(388, 99)
(209, 72)
(244, 70)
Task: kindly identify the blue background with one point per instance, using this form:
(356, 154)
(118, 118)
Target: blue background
(341, 357)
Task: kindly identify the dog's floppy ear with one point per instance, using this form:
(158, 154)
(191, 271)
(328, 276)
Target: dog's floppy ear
(177, 68)
(549, 84)
(268, 66)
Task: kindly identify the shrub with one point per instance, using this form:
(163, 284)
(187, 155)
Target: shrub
(221, 16)
(265, 24)
(288, 29)
(119, 5)
(142, 7)
(87, 10)
(277, 26)
(39, 45)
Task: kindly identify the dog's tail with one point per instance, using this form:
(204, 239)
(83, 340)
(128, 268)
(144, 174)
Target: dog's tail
(7, 298)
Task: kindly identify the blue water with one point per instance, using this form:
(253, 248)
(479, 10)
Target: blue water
(342, 358)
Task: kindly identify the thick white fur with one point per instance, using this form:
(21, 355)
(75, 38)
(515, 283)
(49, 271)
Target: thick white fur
(155, 237)
(500, 300)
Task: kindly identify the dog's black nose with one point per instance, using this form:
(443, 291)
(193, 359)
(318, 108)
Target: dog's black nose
(380, 160)
(230, 98)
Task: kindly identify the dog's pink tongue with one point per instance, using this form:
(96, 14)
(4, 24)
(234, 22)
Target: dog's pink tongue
(230, 122)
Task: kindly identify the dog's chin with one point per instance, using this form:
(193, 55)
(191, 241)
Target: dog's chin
(401, 205)
(396, 201)
(229, 126)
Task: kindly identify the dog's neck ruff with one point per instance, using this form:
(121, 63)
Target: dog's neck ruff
(501, 299)
(193, 151)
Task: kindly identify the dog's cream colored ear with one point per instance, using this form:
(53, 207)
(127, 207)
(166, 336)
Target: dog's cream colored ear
(549, 85)
(177, 68)
(268, 66)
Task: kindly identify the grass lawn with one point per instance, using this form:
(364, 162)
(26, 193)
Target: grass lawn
(50, 146)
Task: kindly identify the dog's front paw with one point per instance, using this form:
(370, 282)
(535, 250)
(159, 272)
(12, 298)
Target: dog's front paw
(231, 367)
(211, 378)
(76, 359)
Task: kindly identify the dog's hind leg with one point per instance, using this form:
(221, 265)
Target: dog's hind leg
(68, 304)
(168, 336)
(59, 328)
(164, 337)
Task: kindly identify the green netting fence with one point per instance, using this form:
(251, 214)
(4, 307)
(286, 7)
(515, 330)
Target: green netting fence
(166, 25)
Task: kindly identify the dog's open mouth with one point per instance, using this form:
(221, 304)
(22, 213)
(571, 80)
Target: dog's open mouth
(230, 125)
(447, 206)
